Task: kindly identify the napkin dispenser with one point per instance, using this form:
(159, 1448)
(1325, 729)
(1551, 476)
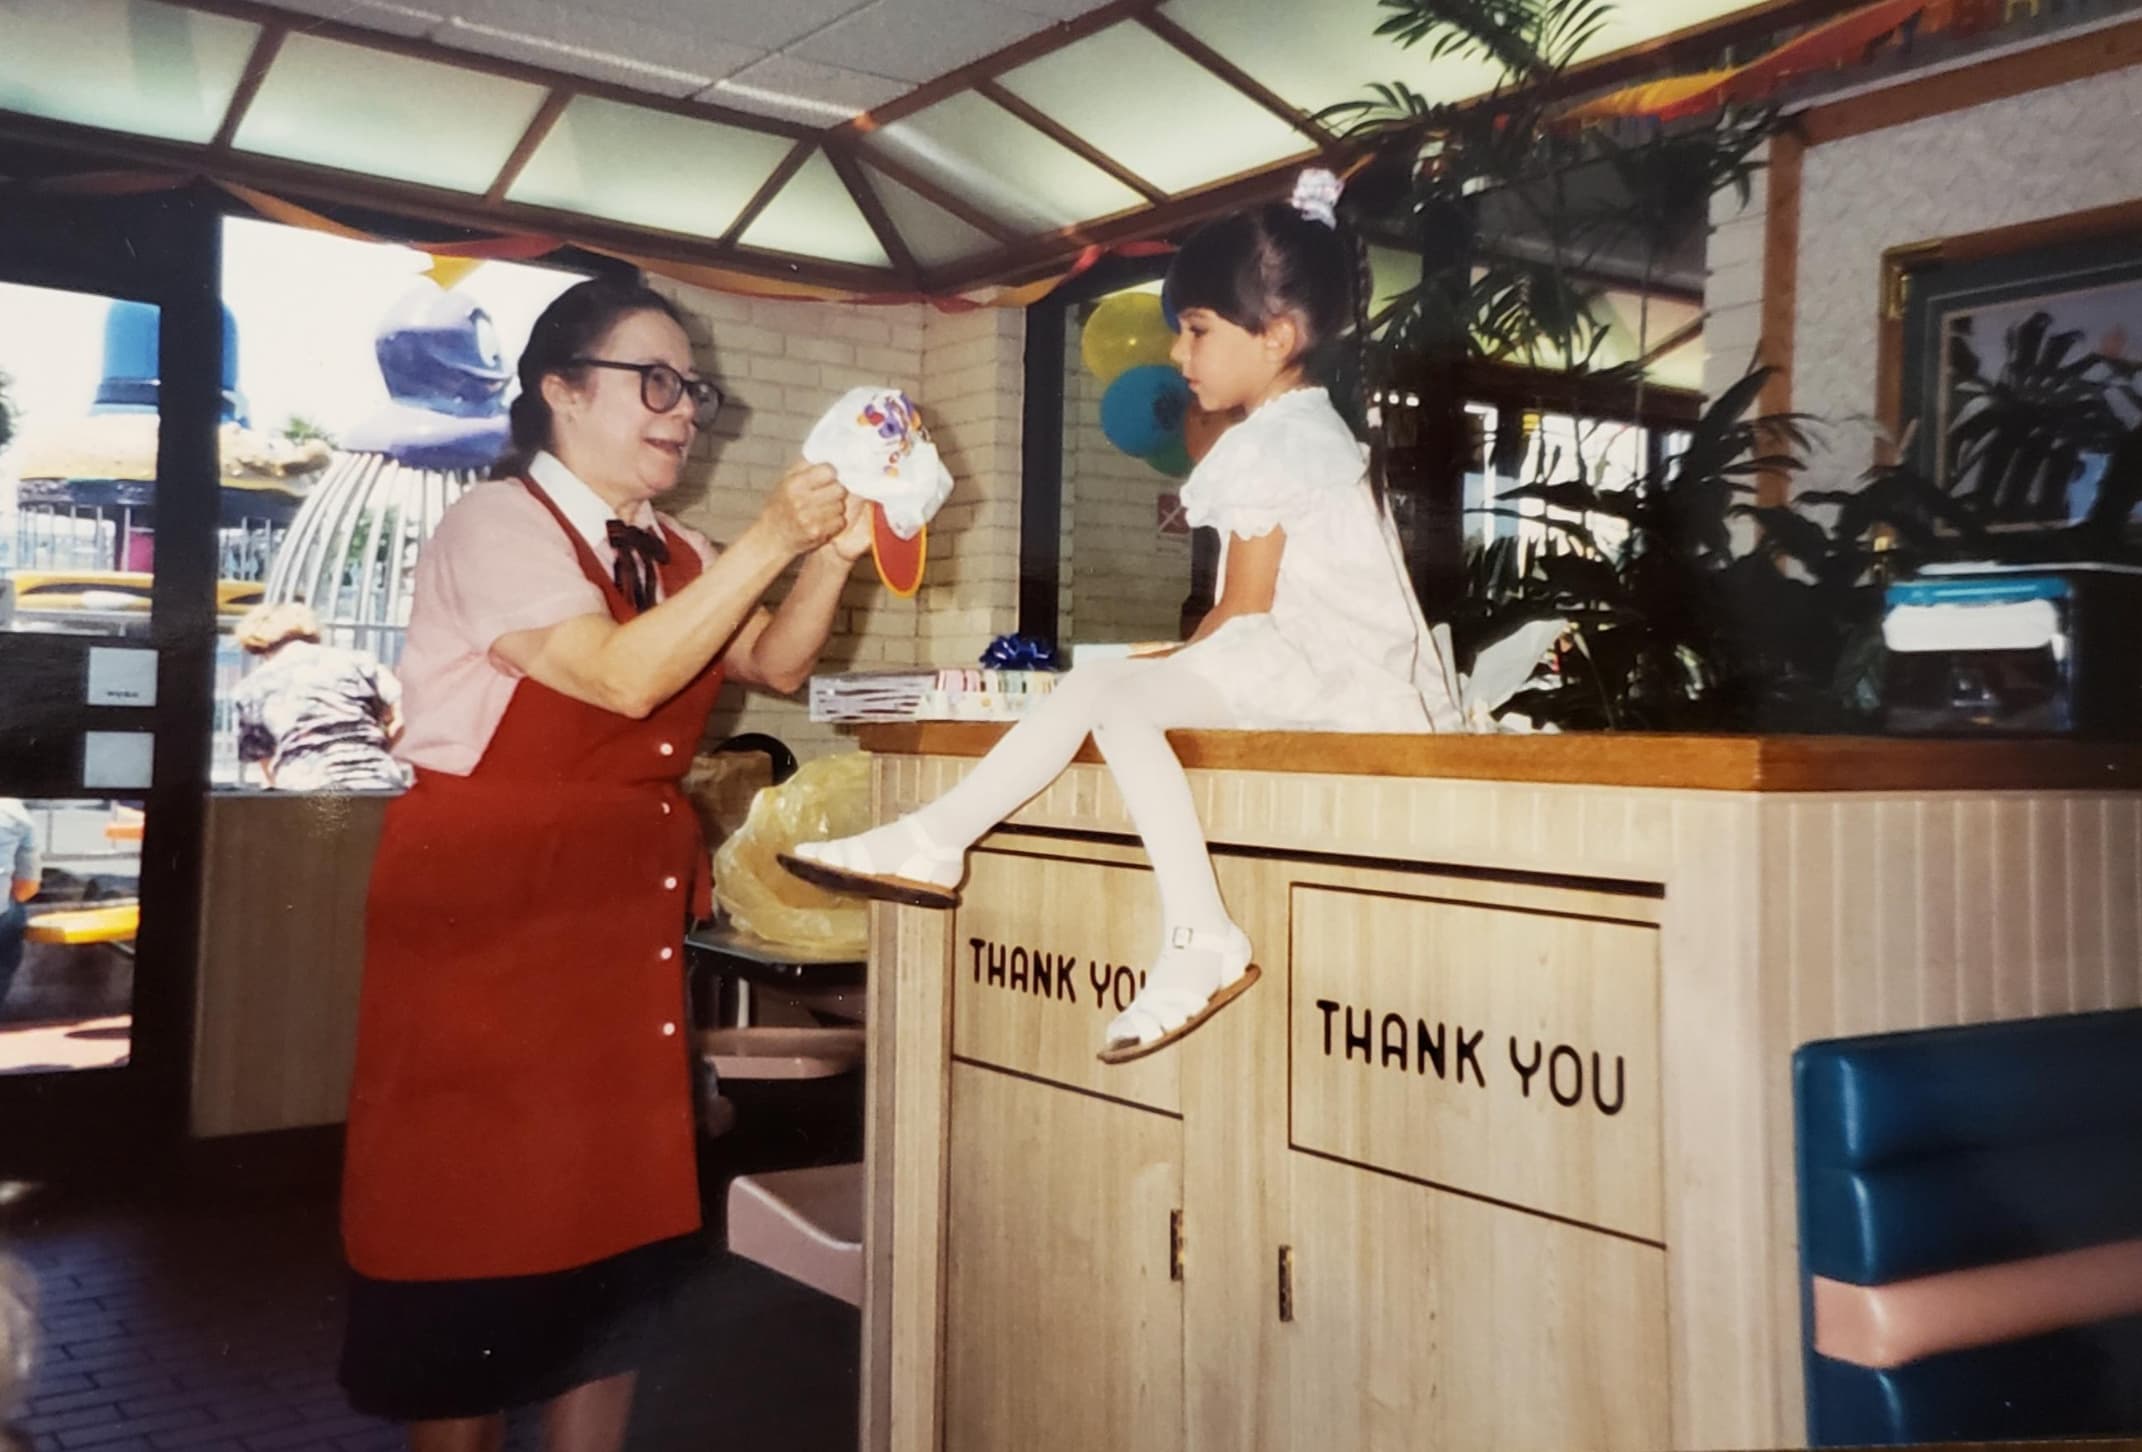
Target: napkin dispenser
(2036, 651)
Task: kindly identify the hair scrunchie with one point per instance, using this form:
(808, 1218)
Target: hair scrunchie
(1316, 195)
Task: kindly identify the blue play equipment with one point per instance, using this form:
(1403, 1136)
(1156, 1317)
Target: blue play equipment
(446, 378)
(132, 370)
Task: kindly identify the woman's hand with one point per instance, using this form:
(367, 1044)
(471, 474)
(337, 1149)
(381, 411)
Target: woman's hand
(853, 541)
(807, 508)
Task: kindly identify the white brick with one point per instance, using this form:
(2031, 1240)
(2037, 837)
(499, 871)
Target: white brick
(770, 369)
(858, 325)
(733, 341)
(1734, 286)
(1736, 243)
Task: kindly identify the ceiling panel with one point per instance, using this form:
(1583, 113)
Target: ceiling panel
(801, 90)
(364, 110)
(814, 215)
(935, 236)
(604, 47)
(600, 48)
(1144, 103)
(1054, 9)
(917, 40)
(649, 168)
(979, 151)
(391, 16)
(125, 65)
(761, 24)
(1313, 55)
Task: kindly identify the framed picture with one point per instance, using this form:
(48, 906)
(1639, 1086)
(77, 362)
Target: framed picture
(2019, 371)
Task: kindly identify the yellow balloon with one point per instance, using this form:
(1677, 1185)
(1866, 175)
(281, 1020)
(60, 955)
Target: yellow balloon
(1124, 332)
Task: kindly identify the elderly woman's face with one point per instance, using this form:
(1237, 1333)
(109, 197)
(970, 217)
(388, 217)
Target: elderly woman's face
(605, 430)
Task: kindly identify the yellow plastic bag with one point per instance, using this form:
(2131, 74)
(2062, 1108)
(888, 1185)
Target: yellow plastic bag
(829, 797)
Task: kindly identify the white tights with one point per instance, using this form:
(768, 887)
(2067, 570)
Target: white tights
(1127, 706)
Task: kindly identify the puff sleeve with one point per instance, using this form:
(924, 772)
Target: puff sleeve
(1281, 463)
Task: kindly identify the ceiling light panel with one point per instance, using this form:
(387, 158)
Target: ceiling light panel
(1145, 104)
(813, 215)
(123, 65)
(934, 235)
(364, 110)
(976, 149)
(1314, 55)
(648, 168)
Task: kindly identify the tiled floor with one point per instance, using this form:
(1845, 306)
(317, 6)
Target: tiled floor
(184, 1325)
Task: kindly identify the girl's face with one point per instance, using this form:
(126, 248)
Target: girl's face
(1228, 366)
(605, 433)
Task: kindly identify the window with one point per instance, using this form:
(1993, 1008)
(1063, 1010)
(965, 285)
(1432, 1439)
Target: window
(367, 386)
(78, 401)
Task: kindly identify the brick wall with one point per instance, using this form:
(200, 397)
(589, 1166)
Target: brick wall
(779, 364)
(1123, 580)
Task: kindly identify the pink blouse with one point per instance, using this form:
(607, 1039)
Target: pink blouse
(497, 563)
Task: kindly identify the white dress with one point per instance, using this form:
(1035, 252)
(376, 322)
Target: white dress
(1344, 647)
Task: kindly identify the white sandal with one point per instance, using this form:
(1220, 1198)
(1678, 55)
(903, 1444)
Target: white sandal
(1165, 1011)
(922, 874)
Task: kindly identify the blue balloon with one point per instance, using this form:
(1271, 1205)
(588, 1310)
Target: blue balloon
(1143, 409)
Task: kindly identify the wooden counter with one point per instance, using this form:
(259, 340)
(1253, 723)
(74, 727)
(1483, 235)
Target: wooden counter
(1499, 1153)
(1709, 763)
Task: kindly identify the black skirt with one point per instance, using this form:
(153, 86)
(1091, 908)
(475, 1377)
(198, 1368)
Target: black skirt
(432, 1350)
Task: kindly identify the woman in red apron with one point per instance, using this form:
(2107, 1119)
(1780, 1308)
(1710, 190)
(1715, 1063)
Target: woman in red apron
(520, 1185)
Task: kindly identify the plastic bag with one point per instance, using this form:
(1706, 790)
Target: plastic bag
(828, 797)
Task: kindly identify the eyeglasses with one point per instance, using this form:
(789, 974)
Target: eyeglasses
(661, 386)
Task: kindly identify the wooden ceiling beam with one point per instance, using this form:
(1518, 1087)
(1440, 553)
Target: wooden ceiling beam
(936, 195)
(873, 209)
(326, 186)
(524, 150)
(1241, 80)
(1069, 140)
(768, 189)
(417, 48)
(989, 67)
(265, 48)
(1679, 338)
(1035, 257)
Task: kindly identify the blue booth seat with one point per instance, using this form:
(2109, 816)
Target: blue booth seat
(1970, 1205)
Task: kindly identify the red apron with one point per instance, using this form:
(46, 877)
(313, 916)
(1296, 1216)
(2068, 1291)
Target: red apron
(522, 1100)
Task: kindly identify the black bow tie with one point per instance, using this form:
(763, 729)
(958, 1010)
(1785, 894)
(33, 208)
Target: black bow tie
(638, 552)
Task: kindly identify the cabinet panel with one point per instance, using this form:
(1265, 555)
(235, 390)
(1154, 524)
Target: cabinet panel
(1426, 1320)
(1045, 951)
(1507, 1052)
(1063, 1327)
